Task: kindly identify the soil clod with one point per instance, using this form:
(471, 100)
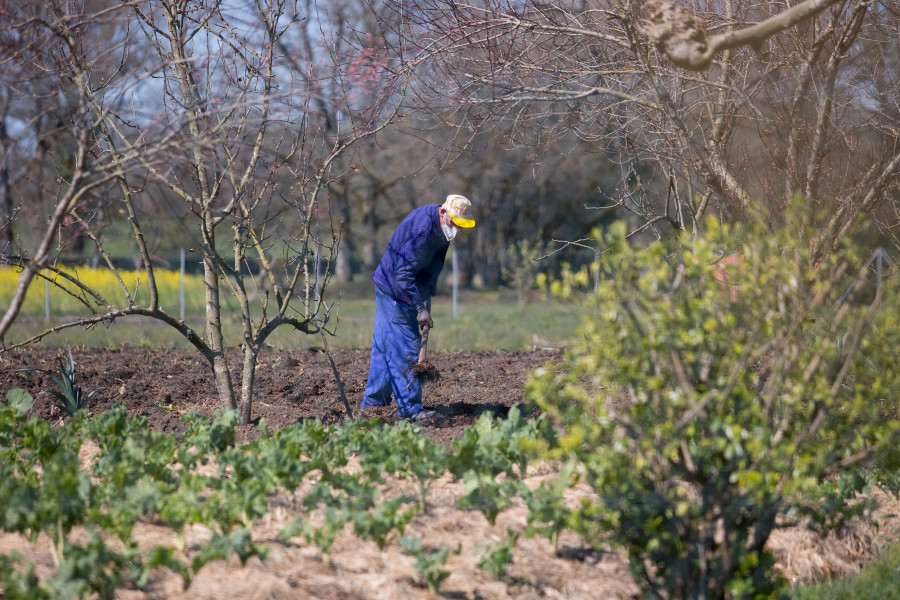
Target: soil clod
(425, 371)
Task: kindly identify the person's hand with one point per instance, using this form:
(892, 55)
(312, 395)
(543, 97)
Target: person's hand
(423, 316)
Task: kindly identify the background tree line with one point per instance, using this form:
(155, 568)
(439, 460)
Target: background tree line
(281, 141)
(811, 111)
(523, 191)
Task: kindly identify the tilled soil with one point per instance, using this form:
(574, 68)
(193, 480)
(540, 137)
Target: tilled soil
(290, 386)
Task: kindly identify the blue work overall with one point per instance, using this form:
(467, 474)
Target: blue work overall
(395, 348)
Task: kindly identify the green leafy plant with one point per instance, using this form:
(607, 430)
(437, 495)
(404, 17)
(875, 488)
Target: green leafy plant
(496, 560)
(402, 450)
(428, 563)
(241, 489)
(45, 488)
(488, 494)
(701, 409)
(94, 568)
(491, 457)
(21, 584)
(20, 401)
(182, 505)
(70, 397)
(547, 513)
(238, 543)
(324, 535)
(142, 474)
(384, 519)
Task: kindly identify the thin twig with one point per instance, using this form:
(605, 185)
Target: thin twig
(337, 377)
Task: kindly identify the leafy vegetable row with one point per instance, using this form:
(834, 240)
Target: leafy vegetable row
(143, 475)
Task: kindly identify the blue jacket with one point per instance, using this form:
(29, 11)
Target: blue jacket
(415, 255)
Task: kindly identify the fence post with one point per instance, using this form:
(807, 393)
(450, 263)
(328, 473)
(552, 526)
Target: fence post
(181, 312)
(318, 265)
(596, 281)
(455, 284)
(47, 295)
(878, 268)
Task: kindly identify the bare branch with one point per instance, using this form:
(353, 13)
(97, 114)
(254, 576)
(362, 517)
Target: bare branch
(684, 39)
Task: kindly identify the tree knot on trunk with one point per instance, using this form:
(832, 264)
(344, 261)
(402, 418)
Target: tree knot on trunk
(677, 34)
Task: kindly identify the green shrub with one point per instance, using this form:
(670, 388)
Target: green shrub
(701, 404)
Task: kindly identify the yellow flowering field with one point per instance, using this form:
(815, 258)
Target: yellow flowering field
(488, 320)
(102, 280)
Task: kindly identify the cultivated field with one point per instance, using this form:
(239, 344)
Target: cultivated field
(297, 386)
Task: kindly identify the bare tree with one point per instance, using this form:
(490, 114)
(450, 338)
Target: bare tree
(53, 61)
(236, 131)
(798, 107)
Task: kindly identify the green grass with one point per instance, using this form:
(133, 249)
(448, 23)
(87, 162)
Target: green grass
(879, 580)
(487, 320)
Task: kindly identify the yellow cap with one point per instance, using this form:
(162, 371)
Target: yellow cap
(460, 209)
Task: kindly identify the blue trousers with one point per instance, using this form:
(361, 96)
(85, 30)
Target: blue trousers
(395, 348)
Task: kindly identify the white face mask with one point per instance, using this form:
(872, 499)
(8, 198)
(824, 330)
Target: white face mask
(449, 232)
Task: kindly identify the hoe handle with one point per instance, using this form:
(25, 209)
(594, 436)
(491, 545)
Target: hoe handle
(424, 343)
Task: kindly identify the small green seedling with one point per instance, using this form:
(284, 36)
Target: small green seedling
(71, 397)
(428, 564)
(496, 560)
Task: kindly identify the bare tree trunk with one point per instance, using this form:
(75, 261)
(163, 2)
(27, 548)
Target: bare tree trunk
(214, 335)
(6, 207)
(194, 106)
(343, 271)
(370, 228)
(251, 353)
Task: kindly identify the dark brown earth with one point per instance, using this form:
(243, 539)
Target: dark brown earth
(291, 385)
